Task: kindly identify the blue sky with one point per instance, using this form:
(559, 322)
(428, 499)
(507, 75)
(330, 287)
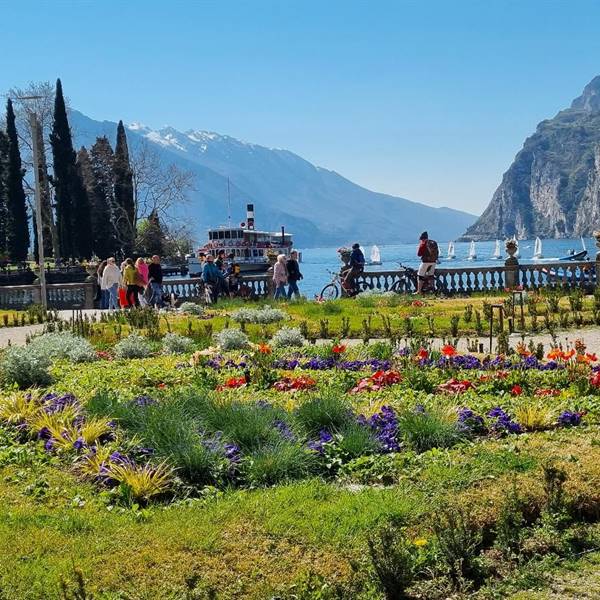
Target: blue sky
(426, 100)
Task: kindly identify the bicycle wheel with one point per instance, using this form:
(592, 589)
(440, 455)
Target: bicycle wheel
(330, 292)
(400, 286)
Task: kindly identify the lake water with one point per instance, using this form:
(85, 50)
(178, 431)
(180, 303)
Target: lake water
(317, 261)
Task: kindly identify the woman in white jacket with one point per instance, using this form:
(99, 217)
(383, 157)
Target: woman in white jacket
(111, 279)
(280, 277)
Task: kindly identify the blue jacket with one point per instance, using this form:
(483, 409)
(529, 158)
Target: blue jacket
(211, 273)
(357, 258)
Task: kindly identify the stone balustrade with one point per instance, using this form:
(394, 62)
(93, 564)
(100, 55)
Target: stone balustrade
(60, 296)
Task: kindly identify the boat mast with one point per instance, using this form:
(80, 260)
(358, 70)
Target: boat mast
(228, 205)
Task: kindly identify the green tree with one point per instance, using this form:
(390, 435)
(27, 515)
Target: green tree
(96, 170)
(150, 237)
(3, 202)
(125, 212)
(17, 227)
(72, 204)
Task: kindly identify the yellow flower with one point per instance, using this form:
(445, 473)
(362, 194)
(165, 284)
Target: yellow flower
(420, 542)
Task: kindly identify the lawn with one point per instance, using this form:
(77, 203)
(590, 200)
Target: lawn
(155, 465)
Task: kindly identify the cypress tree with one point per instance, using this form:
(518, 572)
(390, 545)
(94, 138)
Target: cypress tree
(3, 202)
(96, 170)
(17, 234)
(124, 202)
(73, 219)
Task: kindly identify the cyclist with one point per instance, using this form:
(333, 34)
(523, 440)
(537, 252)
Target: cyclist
(212, 277)
(355, 269)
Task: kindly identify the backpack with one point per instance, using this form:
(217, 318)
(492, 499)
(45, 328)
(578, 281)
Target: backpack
(432, 252)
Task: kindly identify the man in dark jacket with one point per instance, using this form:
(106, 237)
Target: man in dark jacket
(294, 275)
(155, 279)
(212, 277)
(356, 267)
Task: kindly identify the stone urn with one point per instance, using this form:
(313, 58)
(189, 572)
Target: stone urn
(511, 247)
(596, 235)
(272, 258)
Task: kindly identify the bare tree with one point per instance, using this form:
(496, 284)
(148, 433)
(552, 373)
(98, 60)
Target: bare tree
(158, 186)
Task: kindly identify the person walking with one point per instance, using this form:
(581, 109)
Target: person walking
(103, 291)
(142, 270)
(280, 277)
(355, 268)
(429, 253)
(293, 275)
(131, 281)
(155, 280)
(212, 277)
(111, 280)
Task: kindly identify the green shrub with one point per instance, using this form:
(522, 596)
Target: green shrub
(174, 343)
(288, 337)
(132, 346)
(231, 339)
(356, 440)
(422, 431)
(328, 410)
(282, 461)
(25, 367)
(331, 307)
(261, 316)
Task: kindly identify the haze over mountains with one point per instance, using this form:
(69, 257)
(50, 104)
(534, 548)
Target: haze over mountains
(319, 206)
(552, 189)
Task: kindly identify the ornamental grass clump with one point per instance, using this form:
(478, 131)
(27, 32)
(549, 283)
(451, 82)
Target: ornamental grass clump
(133, 346)
(141, 482)
(423, 430)
(173, 343)
(288, 337)
(191, 308)
(329, 410)
(231, 339)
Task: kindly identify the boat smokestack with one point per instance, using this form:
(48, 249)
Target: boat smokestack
(282, 235)
(250, 216)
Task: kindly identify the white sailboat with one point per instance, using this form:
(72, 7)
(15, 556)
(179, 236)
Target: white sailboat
(451, 254)
(537, 249)
(516, 241)
(472, 253)
(497, 252)
(375, 256)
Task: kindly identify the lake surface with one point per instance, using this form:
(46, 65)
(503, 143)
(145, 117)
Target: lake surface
(317, 261)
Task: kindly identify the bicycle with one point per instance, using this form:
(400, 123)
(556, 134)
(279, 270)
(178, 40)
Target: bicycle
(334, 288)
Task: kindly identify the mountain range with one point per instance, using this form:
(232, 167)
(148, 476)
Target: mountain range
(320, 207)
(552, 189)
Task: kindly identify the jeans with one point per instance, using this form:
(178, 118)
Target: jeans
(280, 291)
(104, 299)
(156, 299)
(113, 297)
(293, 289)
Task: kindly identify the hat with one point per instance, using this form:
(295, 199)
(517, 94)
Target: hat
(355, 246)
(424, 236)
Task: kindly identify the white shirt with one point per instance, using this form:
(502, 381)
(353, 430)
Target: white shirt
(110, 276)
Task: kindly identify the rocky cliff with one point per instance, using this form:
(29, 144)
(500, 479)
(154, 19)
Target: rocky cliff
(552, 189)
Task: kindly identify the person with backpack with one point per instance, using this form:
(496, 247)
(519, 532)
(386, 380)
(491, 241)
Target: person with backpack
(429, 253)
(212, 277)
(354, 270)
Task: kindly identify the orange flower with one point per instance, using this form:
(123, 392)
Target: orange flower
(264, 349)
(583, 358)
(568, 355)
(591, 357)
(522, 350)
(339, 349)
(449, 350)
(555, 354)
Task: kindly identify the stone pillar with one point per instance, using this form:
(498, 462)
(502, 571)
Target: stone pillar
(90, 289)
(511, 265)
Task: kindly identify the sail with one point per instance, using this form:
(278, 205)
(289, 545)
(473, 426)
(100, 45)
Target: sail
(537, 249)
(497, 252)
(451, 254)
(375, 255)
(472, 253)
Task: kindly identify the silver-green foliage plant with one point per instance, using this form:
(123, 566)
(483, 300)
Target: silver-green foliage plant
(288, 337)
(173, 343)
(63, 345)
(231, 339)
(133, 346)
(262, 316)
(191, 308)
(25, 368)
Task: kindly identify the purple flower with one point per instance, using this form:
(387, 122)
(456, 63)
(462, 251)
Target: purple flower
(284, 429)
(319, 445)
(470, 422)
(232, 453)
(53, 403)
(503, 422)
(78, 444)
(144, 401)
(119, 458)
(385, 426)
(44, 434)
(49, 445)
(569, 418)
